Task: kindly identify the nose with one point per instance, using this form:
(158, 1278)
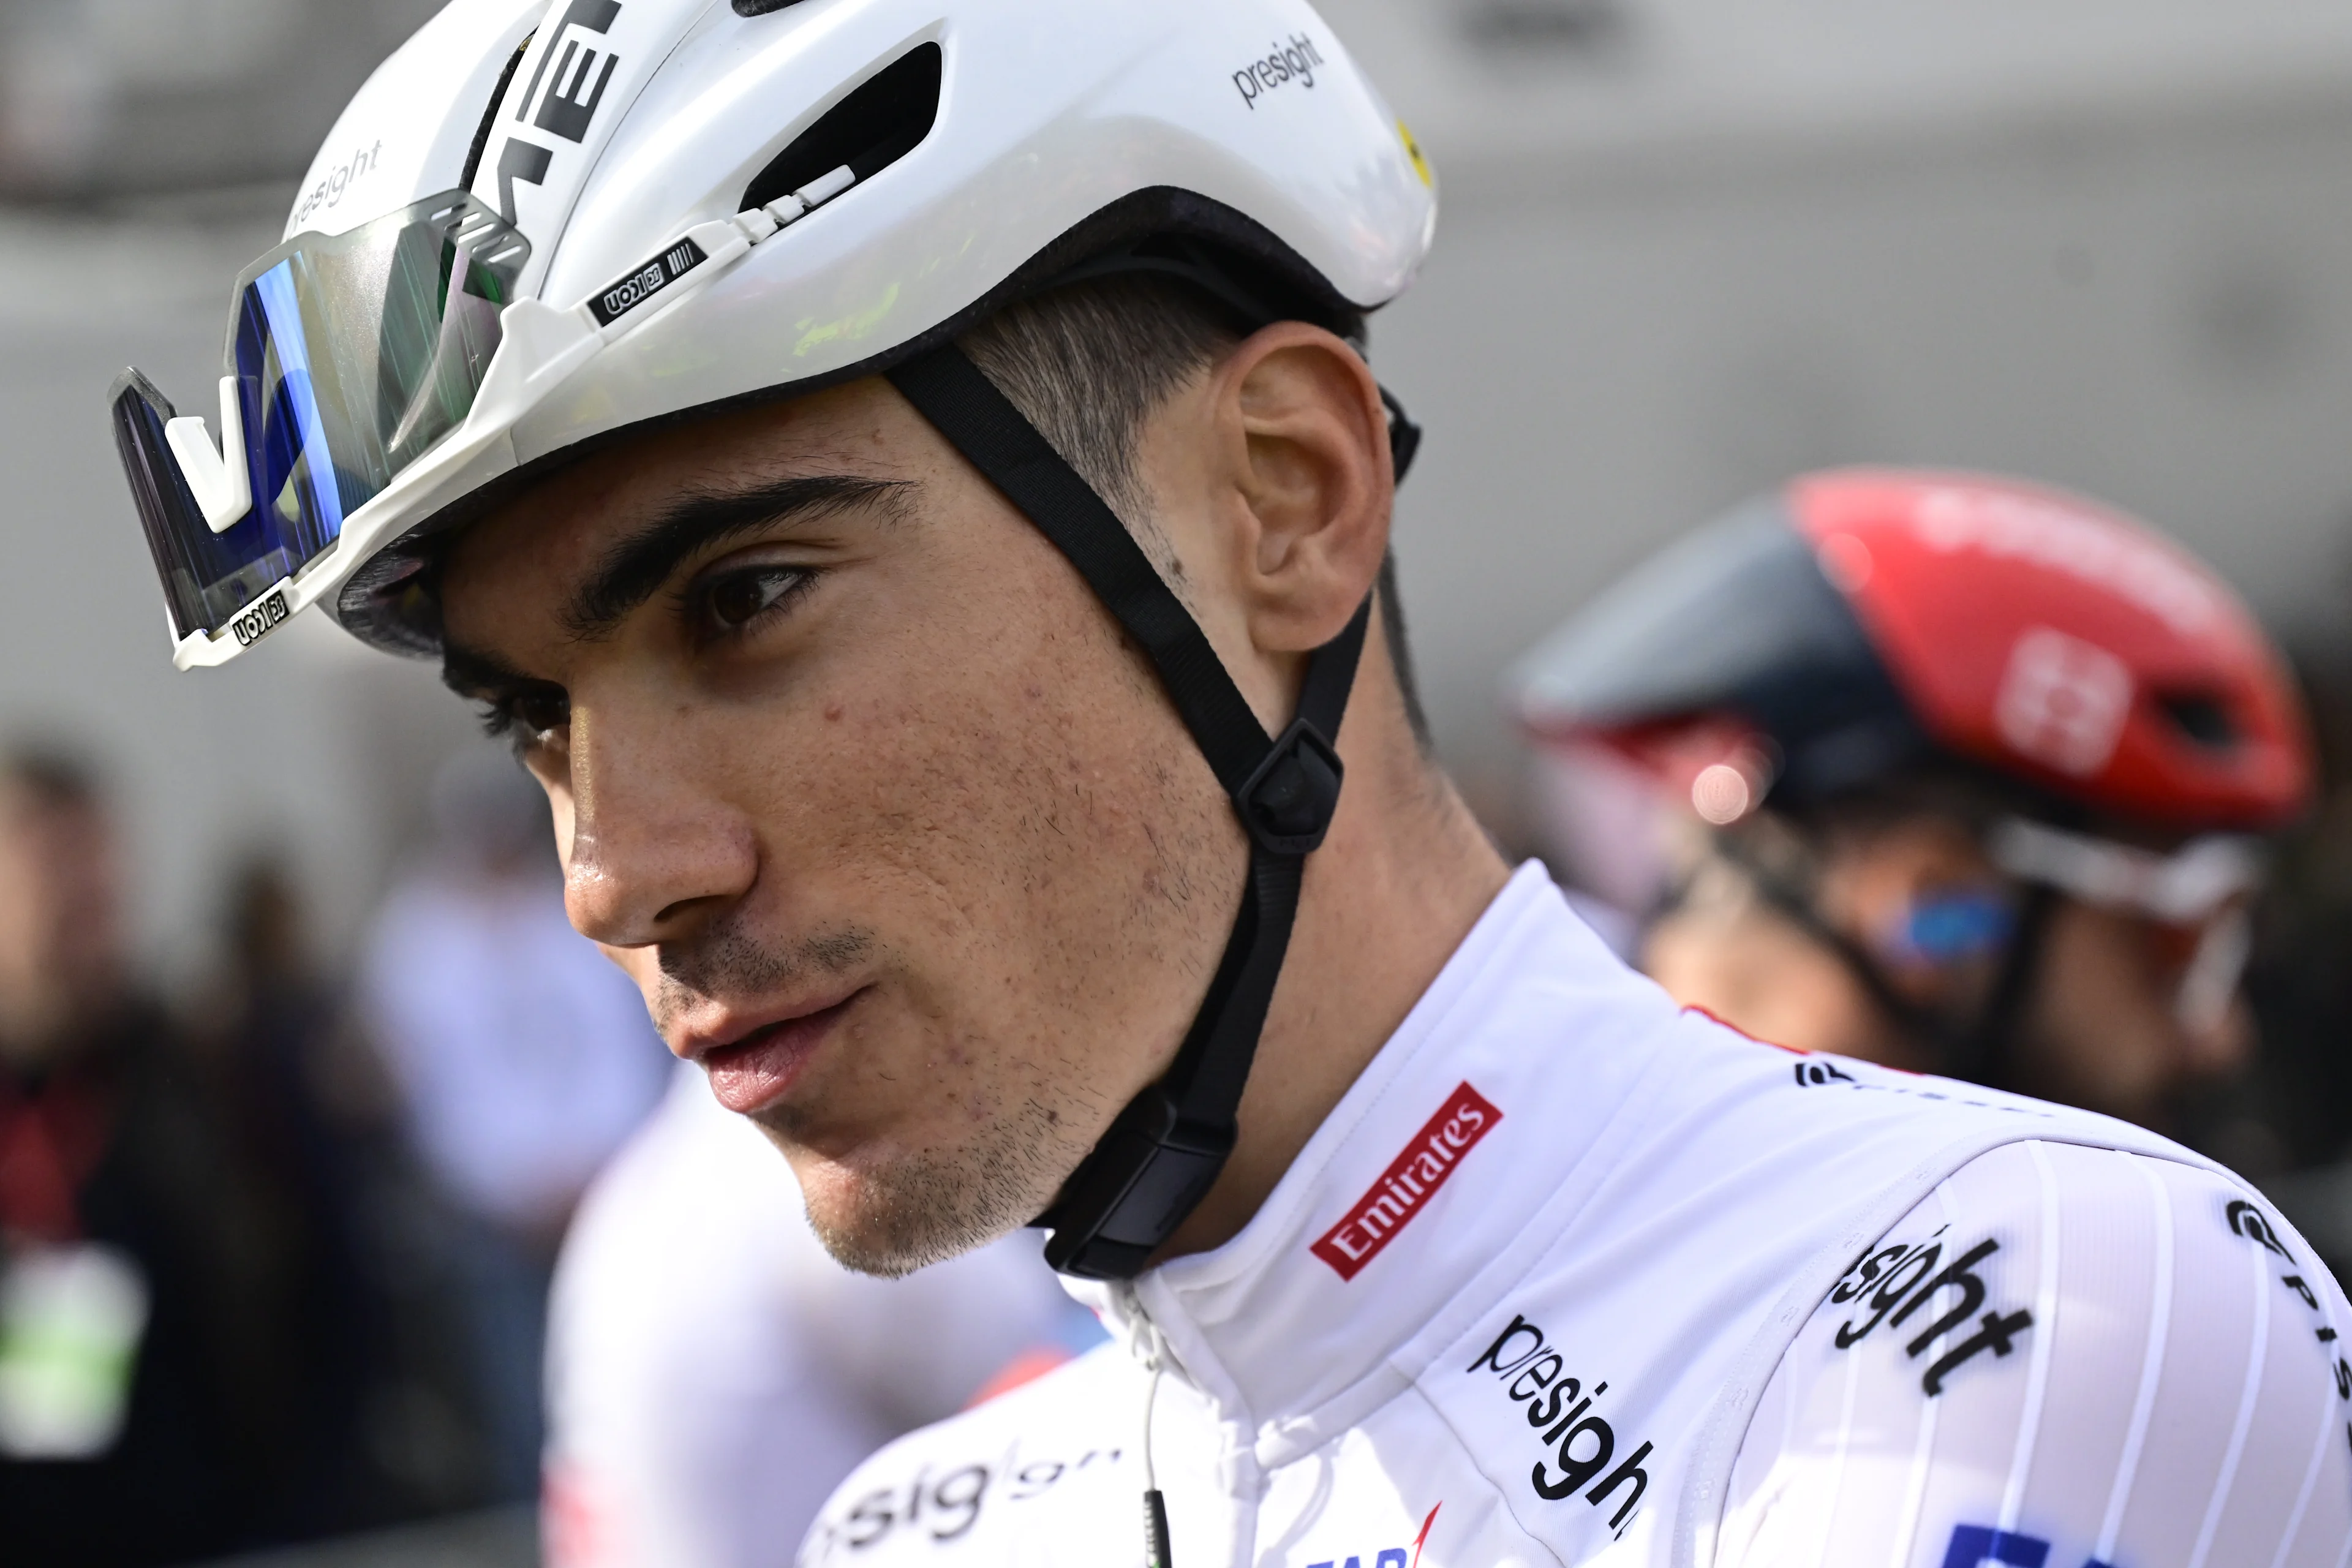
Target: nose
(654, 851)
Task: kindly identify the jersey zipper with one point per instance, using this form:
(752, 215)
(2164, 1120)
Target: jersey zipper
(1151, 1347)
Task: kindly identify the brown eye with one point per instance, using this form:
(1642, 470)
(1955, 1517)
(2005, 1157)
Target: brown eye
(740, 598)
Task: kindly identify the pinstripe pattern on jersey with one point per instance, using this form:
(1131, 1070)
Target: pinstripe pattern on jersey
(2157, 1416)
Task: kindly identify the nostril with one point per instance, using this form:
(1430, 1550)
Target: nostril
(684, 865)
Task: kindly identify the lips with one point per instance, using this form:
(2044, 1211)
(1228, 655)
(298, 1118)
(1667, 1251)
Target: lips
(754, 1072)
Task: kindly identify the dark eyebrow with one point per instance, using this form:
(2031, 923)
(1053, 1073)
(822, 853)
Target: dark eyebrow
(480, 677)
(634, 569)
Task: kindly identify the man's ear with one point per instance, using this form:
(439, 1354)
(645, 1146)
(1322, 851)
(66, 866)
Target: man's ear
(1303, 441)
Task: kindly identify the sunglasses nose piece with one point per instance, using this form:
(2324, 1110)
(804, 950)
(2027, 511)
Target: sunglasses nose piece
(216, 477)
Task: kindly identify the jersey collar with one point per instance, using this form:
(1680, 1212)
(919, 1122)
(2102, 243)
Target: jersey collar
(1379, 1243)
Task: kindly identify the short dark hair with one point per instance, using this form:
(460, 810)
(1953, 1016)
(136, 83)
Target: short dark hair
(1090, 361)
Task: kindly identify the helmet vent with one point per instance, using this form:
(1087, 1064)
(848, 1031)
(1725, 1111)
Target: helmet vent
(2202, 716)
(880, 124)
(489, 114)
(761, 7)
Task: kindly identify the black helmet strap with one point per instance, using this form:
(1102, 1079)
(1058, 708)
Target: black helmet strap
(1165, 1149)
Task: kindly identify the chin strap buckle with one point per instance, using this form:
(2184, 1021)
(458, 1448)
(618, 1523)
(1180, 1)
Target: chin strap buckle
(1288, 801)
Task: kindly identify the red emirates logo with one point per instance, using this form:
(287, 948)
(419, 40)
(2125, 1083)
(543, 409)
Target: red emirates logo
(1409, 1182)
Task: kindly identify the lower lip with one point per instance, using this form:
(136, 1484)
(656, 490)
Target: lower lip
(759, 1069)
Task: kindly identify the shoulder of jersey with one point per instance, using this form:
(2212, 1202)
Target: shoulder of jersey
(1588, 1374)
(1815, 1100)
(962, 1490)
(2064, 1354)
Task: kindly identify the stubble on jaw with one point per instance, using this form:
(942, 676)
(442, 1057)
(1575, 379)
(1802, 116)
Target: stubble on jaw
(915, 1207)
(928, 1206)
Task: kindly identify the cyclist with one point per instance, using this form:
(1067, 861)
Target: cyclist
(1981, 770)
(923, 516)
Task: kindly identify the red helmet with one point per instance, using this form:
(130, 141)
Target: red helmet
(1866, 620)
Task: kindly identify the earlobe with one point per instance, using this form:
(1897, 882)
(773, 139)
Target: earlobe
(1311, 472)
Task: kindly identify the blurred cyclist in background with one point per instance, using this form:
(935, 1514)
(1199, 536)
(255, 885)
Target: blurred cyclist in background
(713, 1375)
(1976, 775)
(521, 1061)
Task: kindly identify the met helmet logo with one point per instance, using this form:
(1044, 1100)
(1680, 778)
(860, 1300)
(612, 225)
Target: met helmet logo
(1409, 1182)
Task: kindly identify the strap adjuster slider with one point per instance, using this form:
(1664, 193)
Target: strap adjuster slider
(1288, 800)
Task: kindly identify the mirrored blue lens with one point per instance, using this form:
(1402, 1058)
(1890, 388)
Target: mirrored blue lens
(1952, 927)
(352, 355)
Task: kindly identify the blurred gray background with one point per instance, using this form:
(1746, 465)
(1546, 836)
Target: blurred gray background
(1686, 247)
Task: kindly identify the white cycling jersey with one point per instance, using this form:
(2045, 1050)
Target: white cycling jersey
(712, 1375)
(1571, 1276)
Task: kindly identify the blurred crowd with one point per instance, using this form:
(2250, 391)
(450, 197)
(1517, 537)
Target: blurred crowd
(280, 1254)
(276, 1252)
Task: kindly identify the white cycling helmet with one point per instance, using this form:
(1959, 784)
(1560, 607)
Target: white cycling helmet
(535, 231)
(538, 225)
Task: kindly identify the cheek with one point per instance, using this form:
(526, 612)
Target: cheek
(1026, 826)
(640, 964)
(559, 813)
(2113, 1012)
(1038, 779)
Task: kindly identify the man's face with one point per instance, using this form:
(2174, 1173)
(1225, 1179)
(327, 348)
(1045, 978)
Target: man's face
(857, 779)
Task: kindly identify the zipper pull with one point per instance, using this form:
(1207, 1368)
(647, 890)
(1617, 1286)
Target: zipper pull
(1154, 1349)
(1155, 1531)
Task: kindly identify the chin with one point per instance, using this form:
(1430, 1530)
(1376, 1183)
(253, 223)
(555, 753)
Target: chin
(889, 1215)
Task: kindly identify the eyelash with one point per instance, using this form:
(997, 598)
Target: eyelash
(502, 718)
(696, 601)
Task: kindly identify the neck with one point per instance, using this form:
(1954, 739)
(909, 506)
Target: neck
(1403, 876)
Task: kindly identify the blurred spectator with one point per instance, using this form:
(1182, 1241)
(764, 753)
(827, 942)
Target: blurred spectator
(521, 1059)
(260, 1029)
(2297, 1110)
(1971, 778)
(141, 1321)
(312, 1107)
(713, 1375)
